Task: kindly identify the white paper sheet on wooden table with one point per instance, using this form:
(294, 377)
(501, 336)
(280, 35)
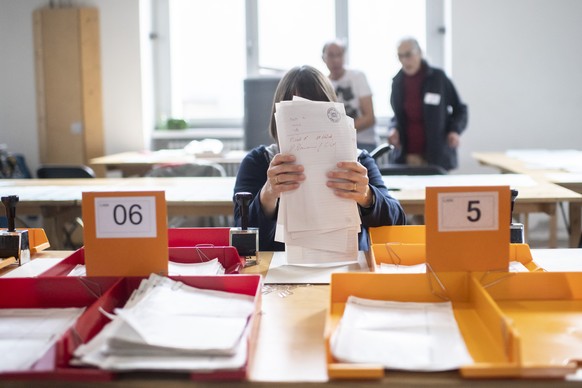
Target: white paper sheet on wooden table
(281, 273)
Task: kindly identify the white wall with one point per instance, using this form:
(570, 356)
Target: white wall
(123, 119)
(517, 65)
(123, 103)
(515, 62)
(18, 127)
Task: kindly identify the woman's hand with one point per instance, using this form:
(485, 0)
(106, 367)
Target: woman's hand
(350, 180)
(282, 175)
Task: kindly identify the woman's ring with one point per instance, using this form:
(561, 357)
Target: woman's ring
(355, 187)
(276, 179)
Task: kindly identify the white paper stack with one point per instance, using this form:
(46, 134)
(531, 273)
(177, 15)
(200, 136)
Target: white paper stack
(206, 268)
(27, 334)
(315, 224)
(210, 267)
(400, 335)
(167, 325)
(514, 266)
(399, 268)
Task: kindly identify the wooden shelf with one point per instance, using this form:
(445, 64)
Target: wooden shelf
(68, 83)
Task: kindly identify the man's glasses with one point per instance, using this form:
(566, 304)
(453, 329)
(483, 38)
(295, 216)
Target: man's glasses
(333, 55)
(406, 55)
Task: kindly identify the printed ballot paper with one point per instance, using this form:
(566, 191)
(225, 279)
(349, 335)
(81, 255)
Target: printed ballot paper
(316, 225)
(400, 335)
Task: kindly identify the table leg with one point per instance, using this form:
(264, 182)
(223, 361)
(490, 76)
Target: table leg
(553, 243)
(54, 219)
(575, 209)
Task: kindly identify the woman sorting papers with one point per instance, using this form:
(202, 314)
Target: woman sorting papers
(312, 189)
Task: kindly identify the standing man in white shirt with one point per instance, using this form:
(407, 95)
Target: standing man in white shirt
(351, 88)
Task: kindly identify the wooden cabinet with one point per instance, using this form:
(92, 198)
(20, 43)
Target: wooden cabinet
(68, 84)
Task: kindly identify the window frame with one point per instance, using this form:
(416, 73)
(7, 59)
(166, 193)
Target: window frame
(162, 67)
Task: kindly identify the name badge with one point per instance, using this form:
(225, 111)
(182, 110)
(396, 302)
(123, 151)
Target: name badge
(432, 98)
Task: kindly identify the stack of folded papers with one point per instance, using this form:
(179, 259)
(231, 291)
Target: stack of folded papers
(316, 225)
(167, 325)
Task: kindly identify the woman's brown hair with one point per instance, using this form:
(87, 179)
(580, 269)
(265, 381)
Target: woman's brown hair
(303, 81)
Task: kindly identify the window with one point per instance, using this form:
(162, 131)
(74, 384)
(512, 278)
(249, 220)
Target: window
(375, 27)
(297, 38)
(205, 49)
(208, 60)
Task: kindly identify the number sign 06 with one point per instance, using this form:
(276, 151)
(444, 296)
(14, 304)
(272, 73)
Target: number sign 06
(122, 217)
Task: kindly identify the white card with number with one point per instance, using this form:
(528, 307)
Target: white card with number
(120, 217)
(468, 211)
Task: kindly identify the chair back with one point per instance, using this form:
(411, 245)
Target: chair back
(381, 150)
(65, 171)
(187, 169)
(384, 152)
(13, 166)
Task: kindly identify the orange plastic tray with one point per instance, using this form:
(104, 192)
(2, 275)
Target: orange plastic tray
(406, 245)
(515, 325)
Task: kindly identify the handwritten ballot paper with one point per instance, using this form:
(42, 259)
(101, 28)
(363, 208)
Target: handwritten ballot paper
(316, 225)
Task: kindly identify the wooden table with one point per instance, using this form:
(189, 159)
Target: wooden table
(535, 196)
(569, 177)
(138, 163)
(506, 163)
(290, 347)
(58, 200)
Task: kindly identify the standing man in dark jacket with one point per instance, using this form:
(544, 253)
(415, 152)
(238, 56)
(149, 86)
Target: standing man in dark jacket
(429, 116)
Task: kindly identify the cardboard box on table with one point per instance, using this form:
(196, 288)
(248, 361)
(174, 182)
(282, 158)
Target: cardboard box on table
(107, 293)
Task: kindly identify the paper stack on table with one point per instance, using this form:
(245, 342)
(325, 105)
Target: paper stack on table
(315, 224)
(27, 334)
(206, 268)
(400, 335)
(167, 325)
(514, 266)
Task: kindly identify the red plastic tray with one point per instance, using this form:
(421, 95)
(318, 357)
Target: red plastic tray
(114, 292)
(227, 256)
(191, 237)
(186, 245)
(59, 292)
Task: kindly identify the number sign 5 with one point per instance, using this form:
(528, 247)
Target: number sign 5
(468, 211)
